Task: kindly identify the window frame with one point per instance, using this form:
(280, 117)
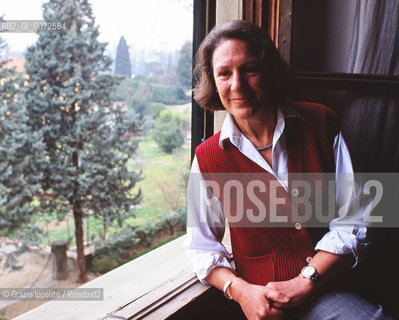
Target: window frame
(201, 120)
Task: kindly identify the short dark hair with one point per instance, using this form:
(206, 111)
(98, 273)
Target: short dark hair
(275, 70)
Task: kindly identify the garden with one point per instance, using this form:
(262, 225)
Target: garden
(160, 216)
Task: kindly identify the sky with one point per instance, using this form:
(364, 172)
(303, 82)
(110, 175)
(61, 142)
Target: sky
(147, 24)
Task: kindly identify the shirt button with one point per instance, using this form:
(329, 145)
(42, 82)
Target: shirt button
(308, 259)
(298, 226)
(295, 192)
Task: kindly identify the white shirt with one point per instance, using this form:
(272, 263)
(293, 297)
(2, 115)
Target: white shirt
(203, 246)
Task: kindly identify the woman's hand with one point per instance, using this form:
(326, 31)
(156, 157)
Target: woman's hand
(298, 290)
(255, 300)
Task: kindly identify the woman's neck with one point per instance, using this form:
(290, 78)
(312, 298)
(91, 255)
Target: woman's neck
(259, 129)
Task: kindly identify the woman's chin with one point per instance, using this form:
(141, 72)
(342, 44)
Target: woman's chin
(243, 113)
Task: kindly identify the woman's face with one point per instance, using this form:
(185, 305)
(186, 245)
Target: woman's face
(238, 79)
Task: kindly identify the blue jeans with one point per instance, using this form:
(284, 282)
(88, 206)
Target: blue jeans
(338, 305)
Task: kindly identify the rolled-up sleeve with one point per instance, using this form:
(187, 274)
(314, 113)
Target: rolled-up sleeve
(205, 228)
(348, 232)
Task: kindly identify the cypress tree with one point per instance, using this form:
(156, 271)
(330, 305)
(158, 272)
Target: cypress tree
(89, 138)
(122, 60)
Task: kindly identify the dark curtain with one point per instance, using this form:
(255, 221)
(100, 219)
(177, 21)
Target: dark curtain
(371, 129)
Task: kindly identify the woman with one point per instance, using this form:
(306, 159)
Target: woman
(274, 269)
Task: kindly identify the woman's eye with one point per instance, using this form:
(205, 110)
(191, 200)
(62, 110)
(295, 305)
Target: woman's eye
(223, 73)
(252, 70)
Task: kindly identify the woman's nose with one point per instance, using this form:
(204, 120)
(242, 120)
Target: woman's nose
(236, 81)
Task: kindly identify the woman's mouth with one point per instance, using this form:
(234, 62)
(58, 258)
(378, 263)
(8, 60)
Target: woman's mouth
(239, 99)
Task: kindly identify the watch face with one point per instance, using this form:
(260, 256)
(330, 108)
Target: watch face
(308, 271)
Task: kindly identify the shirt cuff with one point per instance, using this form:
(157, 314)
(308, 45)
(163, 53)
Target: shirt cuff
(339, 242)
(204, 262)
(215, 261)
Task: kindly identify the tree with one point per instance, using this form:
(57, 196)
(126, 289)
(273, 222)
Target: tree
(122, 60)
(21, 158)
(184, 65)
(169, 130)
(88, 138)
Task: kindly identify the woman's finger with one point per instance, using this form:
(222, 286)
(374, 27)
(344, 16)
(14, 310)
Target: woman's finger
(276, 296)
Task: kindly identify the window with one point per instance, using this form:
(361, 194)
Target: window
(95, 135)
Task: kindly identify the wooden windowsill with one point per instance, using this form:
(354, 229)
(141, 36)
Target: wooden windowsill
(153, 286)
(163, 301)
(140, 286)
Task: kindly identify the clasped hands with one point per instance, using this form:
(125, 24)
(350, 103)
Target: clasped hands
(268, 302)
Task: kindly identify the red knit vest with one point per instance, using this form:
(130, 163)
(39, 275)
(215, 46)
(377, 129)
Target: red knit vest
(263, 253)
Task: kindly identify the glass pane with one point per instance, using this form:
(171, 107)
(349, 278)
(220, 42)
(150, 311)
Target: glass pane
(349, 36)
(95, 131)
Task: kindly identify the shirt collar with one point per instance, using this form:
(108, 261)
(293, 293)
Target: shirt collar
(231, 132)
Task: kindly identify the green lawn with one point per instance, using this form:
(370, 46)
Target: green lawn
(160, 170)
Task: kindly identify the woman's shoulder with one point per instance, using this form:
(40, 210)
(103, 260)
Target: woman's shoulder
(315, 112)
(311, 107)
(210, 144)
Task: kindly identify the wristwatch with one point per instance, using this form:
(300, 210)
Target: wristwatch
(310, 272)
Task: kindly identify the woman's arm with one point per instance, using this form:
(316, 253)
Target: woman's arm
(348, 231)
(205, 228)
